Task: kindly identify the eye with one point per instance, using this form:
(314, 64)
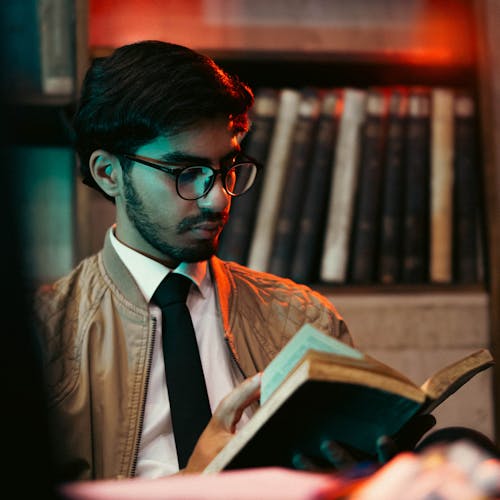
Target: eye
(194, 173)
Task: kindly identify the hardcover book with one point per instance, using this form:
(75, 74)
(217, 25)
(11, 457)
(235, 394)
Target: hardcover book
(343, 187)
(57, 46)
(390, 250)
(441, 208)
(237, 234)
(274, 179)
(416, 188)
(466, 200)
(310, 234)
(364, 254)
(318, 388)
(290, 207)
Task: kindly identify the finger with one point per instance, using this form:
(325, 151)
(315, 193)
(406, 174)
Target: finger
(302, 462)
(386, 449)
(222, 424)
(336, 454)
(230, 409)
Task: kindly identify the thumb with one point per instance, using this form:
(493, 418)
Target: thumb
(230, 409)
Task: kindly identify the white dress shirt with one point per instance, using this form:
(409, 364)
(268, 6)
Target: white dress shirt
(157, 453)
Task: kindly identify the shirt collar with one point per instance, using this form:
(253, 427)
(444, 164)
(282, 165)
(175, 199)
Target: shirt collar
(149, 273)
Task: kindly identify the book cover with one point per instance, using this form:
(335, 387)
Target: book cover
(441, 176)
(273, 180)
(310, 234)
(237, 234)
(343, 187)
(390, 250)
(319, 388)
(364, 253)
(290, 207)
(416, 188)
(466, 206)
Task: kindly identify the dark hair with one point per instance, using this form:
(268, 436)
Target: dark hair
(149, 88)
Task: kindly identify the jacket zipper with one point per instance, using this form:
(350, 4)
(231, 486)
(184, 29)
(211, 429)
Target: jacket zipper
(143, 409)
(231, 353)
(148, 372)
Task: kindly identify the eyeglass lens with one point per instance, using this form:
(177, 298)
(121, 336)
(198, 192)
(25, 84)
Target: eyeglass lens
(194, 182)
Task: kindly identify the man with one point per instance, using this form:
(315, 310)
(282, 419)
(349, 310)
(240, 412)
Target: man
(158, 132)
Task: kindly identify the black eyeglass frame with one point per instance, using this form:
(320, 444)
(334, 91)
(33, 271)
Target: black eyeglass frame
(240, 158)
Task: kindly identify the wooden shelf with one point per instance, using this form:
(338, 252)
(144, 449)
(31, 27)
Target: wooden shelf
(451, 42)
(441, 32)
(332, 70)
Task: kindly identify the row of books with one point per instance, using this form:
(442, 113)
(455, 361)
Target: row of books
(361, 185)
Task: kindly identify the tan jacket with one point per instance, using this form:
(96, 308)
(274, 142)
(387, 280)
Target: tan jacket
(97, 338)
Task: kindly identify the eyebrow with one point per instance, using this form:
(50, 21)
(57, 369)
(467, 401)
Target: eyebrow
(186, 158)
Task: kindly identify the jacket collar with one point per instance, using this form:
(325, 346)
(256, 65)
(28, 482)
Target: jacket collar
(122, 280)
(124, 284)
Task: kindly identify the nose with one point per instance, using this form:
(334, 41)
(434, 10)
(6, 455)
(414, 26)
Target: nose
(217, 199)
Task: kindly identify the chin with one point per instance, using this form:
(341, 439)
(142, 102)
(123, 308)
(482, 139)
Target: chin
(200, 252)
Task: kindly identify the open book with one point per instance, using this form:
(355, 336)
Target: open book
(319, 388)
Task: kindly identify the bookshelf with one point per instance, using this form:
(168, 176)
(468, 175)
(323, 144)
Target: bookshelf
(382, 41)
(488, 36)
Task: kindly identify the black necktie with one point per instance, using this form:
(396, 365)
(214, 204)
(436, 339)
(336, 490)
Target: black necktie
(187, 392)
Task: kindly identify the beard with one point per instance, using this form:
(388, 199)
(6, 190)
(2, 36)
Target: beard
(151, 231)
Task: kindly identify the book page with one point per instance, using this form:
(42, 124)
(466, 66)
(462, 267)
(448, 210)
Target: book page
(449, 379)
(305, 339)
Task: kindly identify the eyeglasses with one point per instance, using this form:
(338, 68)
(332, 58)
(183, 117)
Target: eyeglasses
(195, 181)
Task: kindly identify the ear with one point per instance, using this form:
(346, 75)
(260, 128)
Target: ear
(106, 171)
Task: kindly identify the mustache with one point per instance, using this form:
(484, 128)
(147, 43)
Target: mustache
(218, 217)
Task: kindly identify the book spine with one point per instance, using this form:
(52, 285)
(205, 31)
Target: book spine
(416, 207)
(343, 187)
(294, 185)
(390, 254)
(273, 181)
(310, 234)
(466, 191)
(441, 210)
(367, 216)
(237, 234)
(56, 19)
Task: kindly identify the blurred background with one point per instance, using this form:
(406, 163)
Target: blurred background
(416, 325)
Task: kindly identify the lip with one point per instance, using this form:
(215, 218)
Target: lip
(207, 229)
(208, 226)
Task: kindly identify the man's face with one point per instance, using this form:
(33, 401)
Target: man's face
(153, 219)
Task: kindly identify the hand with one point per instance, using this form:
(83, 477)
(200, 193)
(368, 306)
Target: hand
(222, 425)
(336, 456)
(332, 456)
